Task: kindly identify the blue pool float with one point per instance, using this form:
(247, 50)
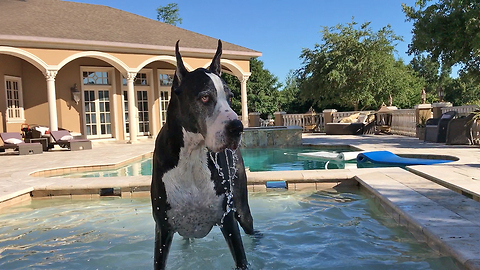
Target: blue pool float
(386, 157)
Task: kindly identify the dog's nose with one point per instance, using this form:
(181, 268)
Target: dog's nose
(234, 127)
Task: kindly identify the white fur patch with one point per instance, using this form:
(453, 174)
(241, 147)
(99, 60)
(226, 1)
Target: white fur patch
(195, 207)
(215, 137)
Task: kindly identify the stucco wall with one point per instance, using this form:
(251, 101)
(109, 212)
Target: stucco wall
(11, 66)
(34, 95)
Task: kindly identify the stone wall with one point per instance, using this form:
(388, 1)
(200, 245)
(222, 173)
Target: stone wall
(272, 137)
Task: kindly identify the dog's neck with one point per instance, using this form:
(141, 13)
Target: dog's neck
(192, 141)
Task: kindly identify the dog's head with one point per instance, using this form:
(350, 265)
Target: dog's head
(205, 104)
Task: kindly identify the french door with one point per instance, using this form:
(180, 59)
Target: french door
(97, 113)
(141, 98)
(164, 99)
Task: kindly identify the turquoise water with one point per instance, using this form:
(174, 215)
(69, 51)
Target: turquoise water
(259, 159)
(287, 159)
(319, 230)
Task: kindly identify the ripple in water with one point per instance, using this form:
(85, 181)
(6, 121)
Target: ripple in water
(320, 230)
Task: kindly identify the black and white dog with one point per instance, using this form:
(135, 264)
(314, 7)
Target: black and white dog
(194, 184)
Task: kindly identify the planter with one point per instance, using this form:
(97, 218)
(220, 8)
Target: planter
(420, 133)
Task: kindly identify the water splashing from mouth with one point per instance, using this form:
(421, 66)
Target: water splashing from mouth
(228, 177)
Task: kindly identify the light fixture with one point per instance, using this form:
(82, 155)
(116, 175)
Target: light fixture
(441, 93)
(75, 93)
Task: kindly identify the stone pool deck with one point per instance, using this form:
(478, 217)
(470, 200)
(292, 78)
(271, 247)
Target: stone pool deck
(428, 200)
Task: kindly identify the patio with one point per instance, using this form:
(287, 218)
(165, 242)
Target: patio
(448, 221)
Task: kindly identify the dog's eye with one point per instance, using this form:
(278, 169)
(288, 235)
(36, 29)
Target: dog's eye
(205, 99)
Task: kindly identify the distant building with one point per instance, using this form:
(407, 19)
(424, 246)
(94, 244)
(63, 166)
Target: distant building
(75, 66)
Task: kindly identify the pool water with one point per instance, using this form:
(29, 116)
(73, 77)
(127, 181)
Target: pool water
(287, 159)
(259, 159)
(314, 230)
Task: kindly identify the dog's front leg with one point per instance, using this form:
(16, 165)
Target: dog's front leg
(232, 235)
(163, 241)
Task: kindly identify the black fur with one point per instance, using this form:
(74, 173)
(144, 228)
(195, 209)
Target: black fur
(183, 113)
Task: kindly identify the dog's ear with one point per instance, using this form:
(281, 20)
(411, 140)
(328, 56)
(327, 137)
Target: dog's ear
(215, 66)
(181, 70)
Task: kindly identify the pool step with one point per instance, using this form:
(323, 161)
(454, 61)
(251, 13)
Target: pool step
(447, 221)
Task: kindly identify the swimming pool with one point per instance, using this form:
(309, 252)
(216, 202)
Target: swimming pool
(255, 159)
(308, 230)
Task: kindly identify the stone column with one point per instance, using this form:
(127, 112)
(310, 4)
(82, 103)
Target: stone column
(328, 115)
(52, 100)
(132, 108)
(243, 90)
(253, 119)
(437, 108)
(279, 118)
(423, 112)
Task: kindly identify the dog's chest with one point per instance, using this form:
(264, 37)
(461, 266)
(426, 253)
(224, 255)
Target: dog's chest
(195, 206)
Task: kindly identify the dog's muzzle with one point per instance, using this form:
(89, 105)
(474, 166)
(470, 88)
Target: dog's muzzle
(234, 129)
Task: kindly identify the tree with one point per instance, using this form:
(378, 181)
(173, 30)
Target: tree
(462, 90)
(448, 30)
(234, 85)
(169, 14)
(262, 90)
(433, 74)
(355, 68)
(289, 96)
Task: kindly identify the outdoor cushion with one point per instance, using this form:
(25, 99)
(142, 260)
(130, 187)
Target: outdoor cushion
(66, 138)
(13, 141)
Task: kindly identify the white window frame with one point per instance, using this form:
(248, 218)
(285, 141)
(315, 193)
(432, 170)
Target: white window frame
(21, 109)
(165, 89)
(95, 87)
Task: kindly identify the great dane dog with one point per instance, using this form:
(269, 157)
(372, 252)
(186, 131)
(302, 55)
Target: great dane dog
(198, 177)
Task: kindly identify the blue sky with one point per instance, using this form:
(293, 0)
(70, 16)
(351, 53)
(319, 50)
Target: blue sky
(279, 29)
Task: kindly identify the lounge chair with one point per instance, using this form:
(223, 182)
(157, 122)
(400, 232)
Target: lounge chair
(13, 140)
(64, 139)
(356, 124)
(436, 128)
(459, 131)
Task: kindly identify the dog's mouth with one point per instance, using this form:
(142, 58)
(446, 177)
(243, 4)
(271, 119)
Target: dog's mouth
(222, 144)
(234, 144)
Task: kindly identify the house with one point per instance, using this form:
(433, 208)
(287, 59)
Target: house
(77, 66)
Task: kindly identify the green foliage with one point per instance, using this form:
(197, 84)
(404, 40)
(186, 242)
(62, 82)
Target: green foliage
(427, 68)
(289, 96)
(234, 85)
(169, 14)
(448, 30)
(355, 68)
(461, 91)
(262, 90)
